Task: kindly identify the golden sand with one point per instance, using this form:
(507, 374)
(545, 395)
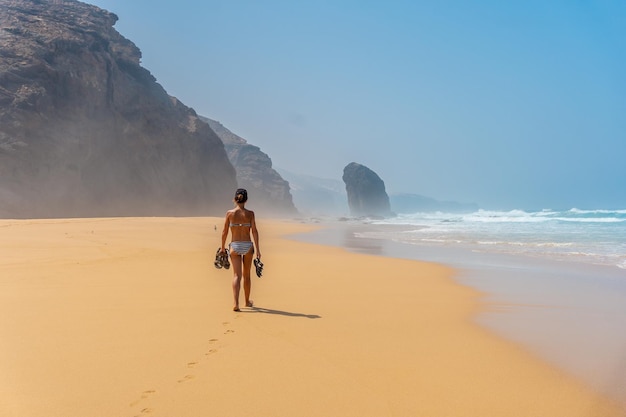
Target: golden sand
(128, 317)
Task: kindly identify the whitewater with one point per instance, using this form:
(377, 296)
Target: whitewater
(596, 237)
(554, 280)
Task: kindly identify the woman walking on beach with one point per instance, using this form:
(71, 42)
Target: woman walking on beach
(242, 224)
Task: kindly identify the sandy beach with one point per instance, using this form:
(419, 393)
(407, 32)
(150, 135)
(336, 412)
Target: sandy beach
(129, 317)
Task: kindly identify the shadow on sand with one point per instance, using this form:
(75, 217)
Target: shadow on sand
(256, 309)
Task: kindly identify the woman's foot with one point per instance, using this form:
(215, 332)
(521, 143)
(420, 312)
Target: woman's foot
(236, 308)
(249, 303)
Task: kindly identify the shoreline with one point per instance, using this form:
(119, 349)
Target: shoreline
(128, 317)
(568, 314)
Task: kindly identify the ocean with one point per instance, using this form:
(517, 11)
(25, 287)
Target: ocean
(596, 237)
(552, 281)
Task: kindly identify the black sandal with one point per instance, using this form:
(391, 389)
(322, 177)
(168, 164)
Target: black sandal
(259, 267)
(225, 260)
(218, 259)
(221, 259)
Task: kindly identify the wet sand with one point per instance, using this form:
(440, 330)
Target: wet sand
(571, 315)
(128, 317)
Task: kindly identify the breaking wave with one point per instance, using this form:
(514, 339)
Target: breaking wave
(589, 236)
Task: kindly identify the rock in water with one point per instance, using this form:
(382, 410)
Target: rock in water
(86, 131)
(366, 191)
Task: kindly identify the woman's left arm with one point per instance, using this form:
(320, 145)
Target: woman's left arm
(255, 235)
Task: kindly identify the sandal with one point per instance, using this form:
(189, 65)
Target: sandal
(218, 259)
(225, 258)
(221, 259)
(259, 267)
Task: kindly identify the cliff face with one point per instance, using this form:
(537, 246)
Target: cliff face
(267, 190)
(86, 131)
(366, 191)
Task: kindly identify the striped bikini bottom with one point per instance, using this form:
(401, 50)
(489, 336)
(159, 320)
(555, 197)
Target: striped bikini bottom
(241, 247)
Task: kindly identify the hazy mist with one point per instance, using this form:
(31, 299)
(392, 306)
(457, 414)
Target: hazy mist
(507, 105)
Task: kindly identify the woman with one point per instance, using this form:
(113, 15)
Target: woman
(241, 223)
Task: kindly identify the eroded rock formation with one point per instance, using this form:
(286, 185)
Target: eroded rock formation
(366, 191)
(86, 131)
(268, 191)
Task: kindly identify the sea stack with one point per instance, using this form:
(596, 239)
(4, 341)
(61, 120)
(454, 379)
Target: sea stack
(366, 192)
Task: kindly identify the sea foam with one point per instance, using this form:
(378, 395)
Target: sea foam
(588, 236)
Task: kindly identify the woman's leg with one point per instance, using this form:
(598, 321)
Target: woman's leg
(247, 283)
(237, 264)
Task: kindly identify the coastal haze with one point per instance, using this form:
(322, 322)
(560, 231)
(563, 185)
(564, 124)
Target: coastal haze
(506, 105)
(85, 131)
(492, 135)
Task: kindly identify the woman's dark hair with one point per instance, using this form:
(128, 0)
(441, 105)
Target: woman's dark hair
(241, 195)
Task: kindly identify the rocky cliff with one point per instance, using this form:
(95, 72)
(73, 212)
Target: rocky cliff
(267, 190)
(366, 191)
(86, 131)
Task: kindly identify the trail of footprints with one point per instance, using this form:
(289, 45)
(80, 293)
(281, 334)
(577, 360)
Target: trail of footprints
(141, 403)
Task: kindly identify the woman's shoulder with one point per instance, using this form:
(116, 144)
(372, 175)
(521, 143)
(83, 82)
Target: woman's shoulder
(240, 215)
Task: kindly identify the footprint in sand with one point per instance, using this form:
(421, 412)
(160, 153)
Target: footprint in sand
(229, 331)
(144, 395)
(144, 412)
(186, 378)
(211, 351)
(191, 364)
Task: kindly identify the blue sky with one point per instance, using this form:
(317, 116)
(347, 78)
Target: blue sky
(508, 104)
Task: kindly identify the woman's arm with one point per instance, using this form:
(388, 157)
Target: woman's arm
(225, 230)
(255, 235)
